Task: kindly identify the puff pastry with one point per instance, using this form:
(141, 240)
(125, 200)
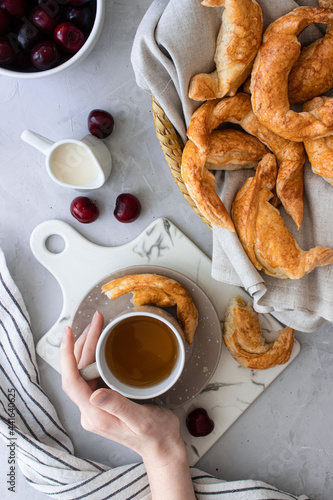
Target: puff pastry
(242, 336)
(143, 296)
(263, 234)
(280, 49)
(312, 75)
(290, 155)
(225, 146)
(233, 150)
(320, 151)
(237, 43)
(159, 287)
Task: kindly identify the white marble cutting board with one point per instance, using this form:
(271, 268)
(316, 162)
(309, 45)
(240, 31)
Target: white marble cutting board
(82, 263)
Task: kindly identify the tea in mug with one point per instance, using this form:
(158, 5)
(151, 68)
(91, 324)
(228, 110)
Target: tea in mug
(141, 351)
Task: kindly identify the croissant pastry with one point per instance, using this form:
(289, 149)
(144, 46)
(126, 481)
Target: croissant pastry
(280, 49)
(242, 336)
(320, 151)
(312, 75)
(263, 234)
(224, 146)
(237, 43)
(290, 155)
(147, 288)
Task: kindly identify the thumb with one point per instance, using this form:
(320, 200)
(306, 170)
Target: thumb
(117, 405)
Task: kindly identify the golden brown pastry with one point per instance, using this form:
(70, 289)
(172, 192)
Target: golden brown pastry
(263, 234)
(320, 151)
(187, 313)
(269, 79)
(224, 146)
(290, 155)
(312, 74)
(149, 295)
(242, 336)
(244, 211)
(201, 184)
(234, 150)
(237, 43)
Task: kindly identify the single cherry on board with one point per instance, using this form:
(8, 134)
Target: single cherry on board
(84, 209)
(198, 423)
(128, 208)
(100, 123)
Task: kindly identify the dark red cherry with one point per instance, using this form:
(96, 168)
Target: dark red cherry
(84, 209)
(45, 55)
(4, 22)
(44, 20)
(128, 208)
(100, 123)
(81, 16)
(17, 8)
(69, 38)
(198, 423)
(7, 54)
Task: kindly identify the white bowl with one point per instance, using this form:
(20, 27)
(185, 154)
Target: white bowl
(79, 56)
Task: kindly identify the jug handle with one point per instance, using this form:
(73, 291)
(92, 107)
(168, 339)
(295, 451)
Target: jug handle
(37, 141)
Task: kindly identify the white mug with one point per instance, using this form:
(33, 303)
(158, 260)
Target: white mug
(101, 369)
(84, 164)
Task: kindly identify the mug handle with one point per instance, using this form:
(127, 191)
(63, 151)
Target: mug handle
(89, 372)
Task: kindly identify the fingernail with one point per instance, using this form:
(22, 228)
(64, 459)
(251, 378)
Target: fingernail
(95, 317)
(87, 328)
(65, 332)
(99, 398)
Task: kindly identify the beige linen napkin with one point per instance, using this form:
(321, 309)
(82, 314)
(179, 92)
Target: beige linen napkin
(175, 41)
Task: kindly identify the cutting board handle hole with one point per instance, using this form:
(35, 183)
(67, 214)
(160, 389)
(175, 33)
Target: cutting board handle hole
(55, 243)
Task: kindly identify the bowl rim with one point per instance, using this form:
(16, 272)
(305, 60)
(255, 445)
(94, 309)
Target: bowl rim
(83, 52)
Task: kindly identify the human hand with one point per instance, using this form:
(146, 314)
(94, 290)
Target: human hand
(108, 413)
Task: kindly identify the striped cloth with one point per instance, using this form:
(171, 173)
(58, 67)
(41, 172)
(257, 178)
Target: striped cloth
(44, 451)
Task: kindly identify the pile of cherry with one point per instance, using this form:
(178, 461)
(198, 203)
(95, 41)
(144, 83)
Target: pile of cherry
(36, 35)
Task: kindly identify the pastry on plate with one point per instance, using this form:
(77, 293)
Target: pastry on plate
(237, 43)
(159, 288)
(243, 338)
(263, 233)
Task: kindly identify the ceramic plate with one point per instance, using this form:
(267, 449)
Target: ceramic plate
(201, 357)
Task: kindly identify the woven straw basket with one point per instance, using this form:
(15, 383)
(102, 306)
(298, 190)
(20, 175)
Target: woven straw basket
(172, 147)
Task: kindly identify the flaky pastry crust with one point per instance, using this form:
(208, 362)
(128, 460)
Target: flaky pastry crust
(290, 155)
(234, 150)
(312, 73)
(320, 151)
(263, 233)
(279, 51)
(159, 288)
(237, 43)
(225, 146)
(242, 336)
